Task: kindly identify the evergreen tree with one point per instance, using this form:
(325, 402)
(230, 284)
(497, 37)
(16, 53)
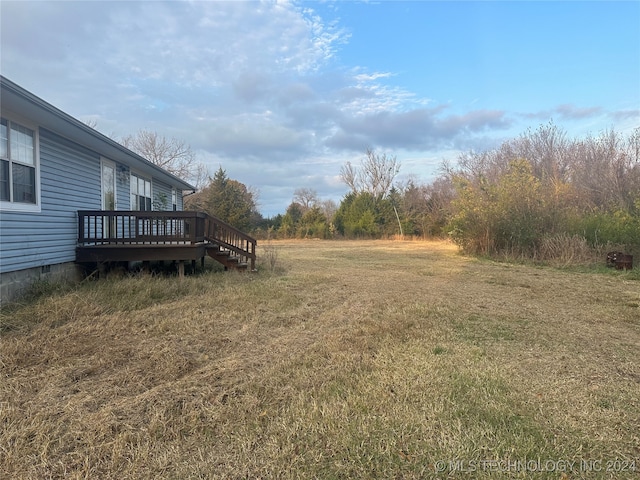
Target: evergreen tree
(230, 201)
(356, 216)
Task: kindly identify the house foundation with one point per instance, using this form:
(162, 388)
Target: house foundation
(15, 284)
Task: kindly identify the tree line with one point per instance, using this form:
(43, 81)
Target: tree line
(517, 198)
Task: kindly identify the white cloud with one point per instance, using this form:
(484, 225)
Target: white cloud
(368, 77)
(256, 87)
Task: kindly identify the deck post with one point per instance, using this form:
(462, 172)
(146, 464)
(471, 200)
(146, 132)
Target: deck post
(181, 269)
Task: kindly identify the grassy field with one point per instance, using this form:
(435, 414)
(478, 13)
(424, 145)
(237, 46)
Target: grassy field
(373, 359)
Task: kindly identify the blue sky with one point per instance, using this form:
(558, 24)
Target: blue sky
(282, 94)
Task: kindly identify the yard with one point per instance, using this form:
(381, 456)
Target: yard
(359, 359)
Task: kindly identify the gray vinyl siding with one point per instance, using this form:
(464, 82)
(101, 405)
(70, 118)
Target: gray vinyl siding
(160, 189)
(69, 175)
(180, 206)
(70, 181)
(161, 193)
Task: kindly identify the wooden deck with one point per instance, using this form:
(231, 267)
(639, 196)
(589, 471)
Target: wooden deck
(114, 236)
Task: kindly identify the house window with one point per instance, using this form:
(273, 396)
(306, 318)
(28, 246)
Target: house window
(140, 193)
(174, 199)
(18, 163)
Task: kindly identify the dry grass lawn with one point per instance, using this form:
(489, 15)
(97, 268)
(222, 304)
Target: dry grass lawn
(372, 359)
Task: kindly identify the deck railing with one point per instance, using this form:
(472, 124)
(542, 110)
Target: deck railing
(107, 227)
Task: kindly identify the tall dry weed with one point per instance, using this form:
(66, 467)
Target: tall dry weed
(270, 254)
(563, 249)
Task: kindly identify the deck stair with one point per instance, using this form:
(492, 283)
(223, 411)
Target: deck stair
(229, 246)
(225, 257)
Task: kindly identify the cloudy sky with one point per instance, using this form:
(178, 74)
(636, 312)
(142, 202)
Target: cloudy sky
(281, 94)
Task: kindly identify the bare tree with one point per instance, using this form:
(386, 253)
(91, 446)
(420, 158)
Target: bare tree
(91, 123)
(329, 208)
(375, 175)
(306, 197)
(172, 154)
(605, 170)
(546, 149)
(201, 176)
(349, 175)
(633, 146)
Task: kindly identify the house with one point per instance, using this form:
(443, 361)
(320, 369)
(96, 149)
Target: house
(70, 195)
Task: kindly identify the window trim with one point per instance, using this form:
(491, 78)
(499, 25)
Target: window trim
(135, 173)
(9, 206)
(111, 163)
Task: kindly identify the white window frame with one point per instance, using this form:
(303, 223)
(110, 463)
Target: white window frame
(174, 199)
(10, 206)
(111, 163)
(135, 174)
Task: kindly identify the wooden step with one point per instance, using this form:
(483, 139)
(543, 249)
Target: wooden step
(225, 258)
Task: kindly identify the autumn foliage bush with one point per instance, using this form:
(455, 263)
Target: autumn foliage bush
(544, 197)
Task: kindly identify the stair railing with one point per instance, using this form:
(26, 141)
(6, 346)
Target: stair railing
(230, 238)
